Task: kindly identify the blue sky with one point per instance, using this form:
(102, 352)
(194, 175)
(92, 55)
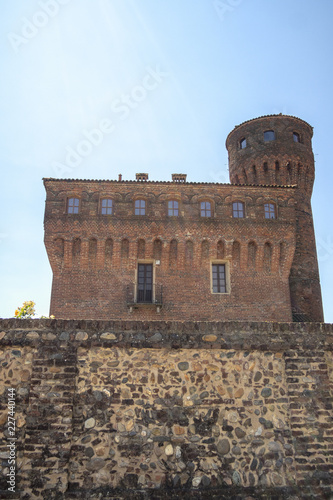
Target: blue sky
(70, 67)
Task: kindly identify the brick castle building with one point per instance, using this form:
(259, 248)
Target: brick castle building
(152, 250)
(187, 386)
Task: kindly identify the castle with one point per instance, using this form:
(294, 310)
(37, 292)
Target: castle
(188, 358)
(202, 251)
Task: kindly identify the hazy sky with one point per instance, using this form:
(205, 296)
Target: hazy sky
(164, 81)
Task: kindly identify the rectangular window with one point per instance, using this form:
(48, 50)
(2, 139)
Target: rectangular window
(238, 209)
(205, 209)
(219, 278)
(140, 207)
(269, 211)
(269, 135)
(145, 283)
(173, 208)
(73, 206)
(106, 207)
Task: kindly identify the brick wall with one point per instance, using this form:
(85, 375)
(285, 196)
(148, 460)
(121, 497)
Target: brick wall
(94, 257)
(284, 161)
(130, 409)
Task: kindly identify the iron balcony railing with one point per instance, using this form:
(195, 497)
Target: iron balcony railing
(139, 296)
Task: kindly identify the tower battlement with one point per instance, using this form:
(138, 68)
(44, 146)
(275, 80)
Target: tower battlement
(273, 149)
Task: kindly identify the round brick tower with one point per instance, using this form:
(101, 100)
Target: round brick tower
(277, 150)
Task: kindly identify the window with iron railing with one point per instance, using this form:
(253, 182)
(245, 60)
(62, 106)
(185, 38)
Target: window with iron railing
(145, 283)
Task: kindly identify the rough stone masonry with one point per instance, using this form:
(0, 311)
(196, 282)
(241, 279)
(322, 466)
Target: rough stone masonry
(168, 409)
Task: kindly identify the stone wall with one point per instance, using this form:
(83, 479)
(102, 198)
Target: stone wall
(168, 409)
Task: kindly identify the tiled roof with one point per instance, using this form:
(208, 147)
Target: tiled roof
(273, 116)
(53, 179)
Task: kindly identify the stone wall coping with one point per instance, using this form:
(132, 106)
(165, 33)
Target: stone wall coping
(238, 335)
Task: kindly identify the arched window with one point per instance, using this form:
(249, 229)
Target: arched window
(141, 249)
(108, 251)
(92, 252)
(73, 205)
(59, 247)
(277, 172)
(205, 209)
(251, 254)
(125, 249)
(236, 249)
(238, 209)
(140, 207)
(296, 137)
(242, 143)
(267, 257)
(220, 249)
(188, 253)
(269, 135)
(173, 208)
(173, 250)
(157, 249)
(106, 207)
(59, 250)
(76, 251)
(283, 255)
(204, 250)
(270, 211)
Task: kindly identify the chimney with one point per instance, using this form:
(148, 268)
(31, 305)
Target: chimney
(120, 177)
(141, 177)
(179, 177)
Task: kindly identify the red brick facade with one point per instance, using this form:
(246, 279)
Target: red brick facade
(95, 255)
(286, 160)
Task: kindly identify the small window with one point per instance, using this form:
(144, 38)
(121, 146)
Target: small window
(296, 137)
(173, 209)
(238, 209)
(106, 208)
(219, 278)
(269, 135)
(206, 209)
(140, 207)
(270, 211)
(73, 205)
(242, 143)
